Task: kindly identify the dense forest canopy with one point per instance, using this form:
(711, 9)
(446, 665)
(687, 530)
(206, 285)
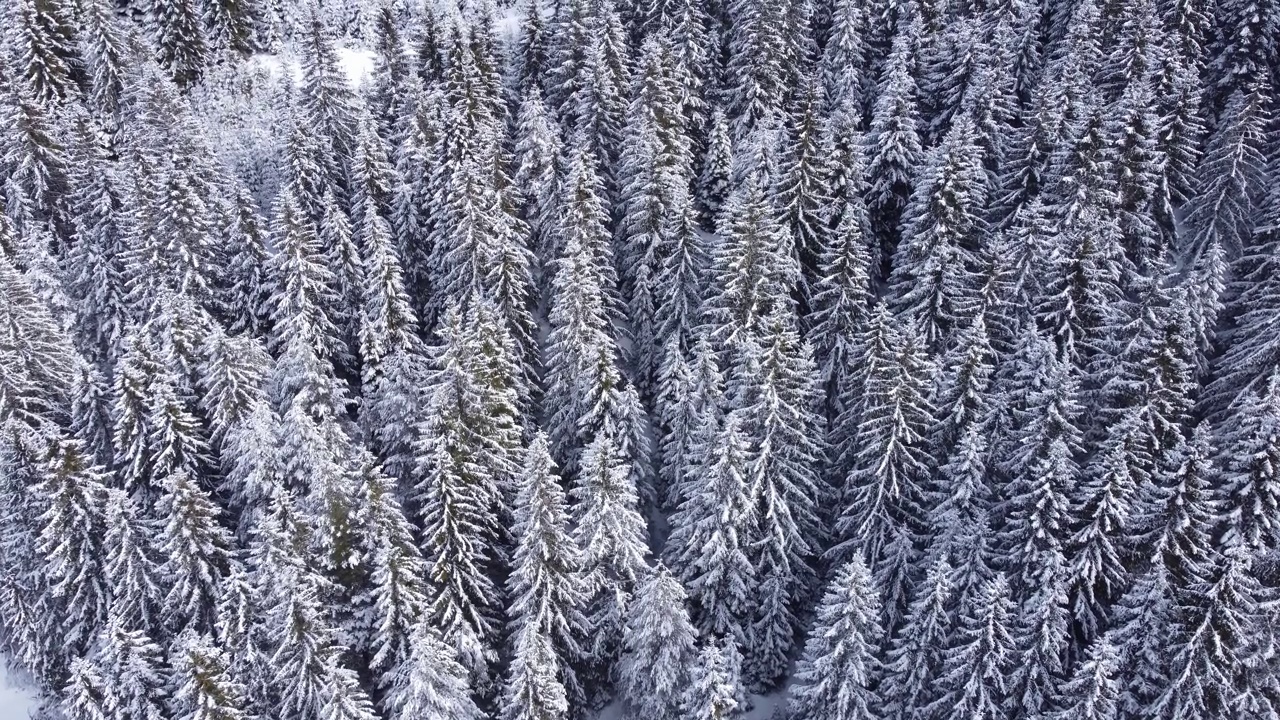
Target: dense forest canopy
(903, 359)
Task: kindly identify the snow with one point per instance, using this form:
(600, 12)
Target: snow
(357, 63)
(16, 702)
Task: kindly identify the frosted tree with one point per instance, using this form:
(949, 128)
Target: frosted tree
(195, 549)
(1230, 176)
(930, 282)
(1249, 486)
(611, 534)
(430, 682)
(207, 684)
(547, 589)
(708, 545)
(133, 668)
(40, 38)
(885, 483)
(395, 599)
(838, 667)
(534, 690)
(179, 37)
(715, 690)
(1092, 692)
(974, 676)
(893, 139)
(914, 656)
(658, 648)
(776, 390)
(754, 269)
(459, 491)
(69, 495)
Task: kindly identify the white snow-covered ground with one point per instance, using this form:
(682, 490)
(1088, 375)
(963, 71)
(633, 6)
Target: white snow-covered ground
(16, 702)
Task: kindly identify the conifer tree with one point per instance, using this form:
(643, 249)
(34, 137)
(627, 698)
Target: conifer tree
(233, 24)
(716, 688)
(885, 483)
(1249, 486)
(776, 389)
(838, 668)
(396, 597)
(431, 682)
(39, 37)
(179, 38)
(459, 493)
(547, 590)
(534, 692)
(802, 187)
(658, 648)
(133, 668)
(974, 676)
(70, 526)
(611, 534)
(754, 270)
(131, 566)
(893, 140)
(914, 657)
(711, 531)
(842, 303)
(207, 686)
(755, 75)
(1230, 174)
(1092, 692)
(931, 283)
(195, 549)
(1041, 641)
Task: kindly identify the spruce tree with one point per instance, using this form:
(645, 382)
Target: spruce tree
(431, 682)
(838, 668)
(711, 530)
(612, 536)
(914, 657)
(179, 37)
(974, 676)
(658, 648)
(547, 589)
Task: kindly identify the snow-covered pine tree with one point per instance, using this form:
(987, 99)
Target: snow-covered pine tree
(534, 690)
(208, 686)
(1092, 692)
(711, 529)
(931, 284)
(658, 648)
(973, 681)
(612, 536)
(775, 387)
(39, 39)
(754, 269)
(179, 37)
(1230, 176)
(913, 659)
(893, 140)
(715, 690)
(460, 492)
(394, 599)
(884, 489)
(547, 589)
(431, 682)
(1250, 487)
(838, 669)
(195, 548)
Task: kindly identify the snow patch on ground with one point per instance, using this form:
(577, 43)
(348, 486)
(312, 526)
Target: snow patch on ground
(357, 63)
(16, 701)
